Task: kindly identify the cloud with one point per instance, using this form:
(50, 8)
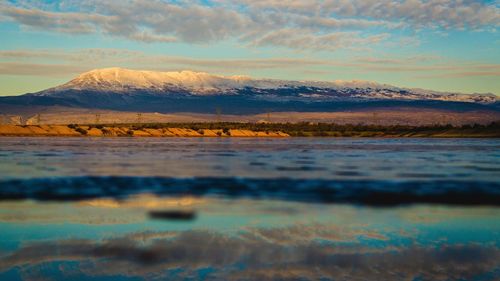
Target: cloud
(153, 21)
(81, 55)
(149, 37)
(14, 68)
(252, 256)
(298, 39)
(398, 61)
(447, 14)
(75, 23)
(465, 74)
(40, 62)
(312, 25)
(59, 62)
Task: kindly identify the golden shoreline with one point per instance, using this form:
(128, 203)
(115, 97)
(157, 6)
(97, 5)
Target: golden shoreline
(121, 131)
(245, 130)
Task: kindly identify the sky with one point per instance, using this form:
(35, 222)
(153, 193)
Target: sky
(443, 45)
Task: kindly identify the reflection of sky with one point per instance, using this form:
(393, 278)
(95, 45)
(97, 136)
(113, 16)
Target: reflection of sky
(282, 232)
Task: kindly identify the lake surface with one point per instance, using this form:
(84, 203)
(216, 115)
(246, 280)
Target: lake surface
(249, 209)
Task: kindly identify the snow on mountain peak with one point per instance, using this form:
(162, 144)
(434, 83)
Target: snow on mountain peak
(121, 80)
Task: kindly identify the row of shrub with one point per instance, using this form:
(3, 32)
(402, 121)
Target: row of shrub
(78, 129)
(306, 128)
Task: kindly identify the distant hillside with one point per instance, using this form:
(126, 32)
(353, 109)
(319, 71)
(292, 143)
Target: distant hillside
(126, 90)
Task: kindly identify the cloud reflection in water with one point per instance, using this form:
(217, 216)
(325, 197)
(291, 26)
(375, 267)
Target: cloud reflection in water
(248, 240)
(254, 255)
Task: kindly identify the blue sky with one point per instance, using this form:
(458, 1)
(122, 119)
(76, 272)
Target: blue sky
(441, 45)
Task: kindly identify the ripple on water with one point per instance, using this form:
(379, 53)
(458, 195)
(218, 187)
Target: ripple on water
(299, 168)
(349, 173)
(370, 192)
(46, 154)
(257, 163)
(318, 158)
(421, 175)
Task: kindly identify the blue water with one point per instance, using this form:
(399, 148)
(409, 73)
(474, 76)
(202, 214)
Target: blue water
(315, 158)
(259, 209)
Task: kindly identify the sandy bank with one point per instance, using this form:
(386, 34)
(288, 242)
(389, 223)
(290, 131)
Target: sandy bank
(104, 131)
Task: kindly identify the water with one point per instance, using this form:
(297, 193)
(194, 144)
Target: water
(312, 158)
(249, 209)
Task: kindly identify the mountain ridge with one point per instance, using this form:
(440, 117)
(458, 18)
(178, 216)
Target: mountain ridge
(121, 80)
(200, 92)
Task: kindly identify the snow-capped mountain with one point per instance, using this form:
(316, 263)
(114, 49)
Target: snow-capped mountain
(199, 92)
(120, 80)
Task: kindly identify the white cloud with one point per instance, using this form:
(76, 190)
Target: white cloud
(296, 38)
(324, 24)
